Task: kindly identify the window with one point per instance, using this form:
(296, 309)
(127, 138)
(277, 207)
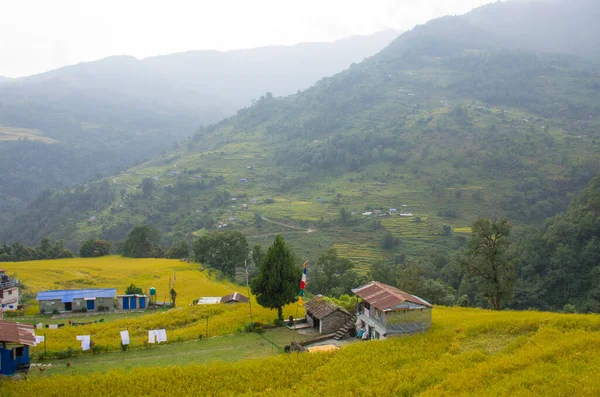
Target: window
(68, 306)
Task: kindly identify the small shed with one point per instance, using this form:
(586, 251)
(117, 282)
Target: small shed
(76, 300)
(236, 297)
(326, 316)
(132, 301)
(209, 300)
(15, 339)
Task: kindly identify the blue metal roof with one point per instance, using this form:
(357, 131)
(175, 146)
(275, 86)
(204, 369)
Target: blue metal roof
(68, 295)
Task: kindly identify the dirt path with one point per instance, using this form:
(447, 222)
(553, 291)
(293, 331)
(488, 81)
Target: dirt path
(288, 226)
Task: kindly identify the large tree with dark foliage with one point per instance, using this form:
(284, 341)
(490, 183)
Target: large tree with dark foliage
(142, 242)
(278, 278)
(222, 250)
(334, 276)
(94, 248)
(486, 261)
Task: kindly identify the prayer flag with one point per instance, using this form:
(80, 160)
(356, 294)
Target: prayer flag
(302, 284)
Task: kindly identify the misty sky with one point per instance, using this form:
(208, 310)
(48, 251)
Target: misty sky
(39, 35)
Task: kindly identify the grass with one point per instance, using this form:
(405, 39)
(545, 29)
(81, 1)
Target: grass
(229, 348)
(14, 134)
(467, 352)
(118, 272)
(184, 323)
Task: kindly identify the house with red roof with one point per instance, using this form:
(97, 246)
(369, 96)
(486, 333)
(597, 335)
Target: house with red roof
(384, 311)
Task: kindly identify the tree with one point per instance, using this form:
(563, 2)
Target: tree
(334, 276)
(278, 278)
(344, 216)
(142, 242)
(147, 187)
(133, 290)
(173, 296)
(222, 250)
(258, 220)
(258, 254)
(94, 248)
(181, 249)
(485, 259)
(388, 241)
(384, 272)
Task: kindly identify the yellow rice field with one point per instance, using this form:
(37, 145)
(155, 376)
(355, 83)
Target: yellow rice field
(118, 272)
(468, 352)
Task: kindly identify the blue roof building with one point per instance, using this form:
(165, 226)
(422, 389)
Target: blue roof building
(83, 300)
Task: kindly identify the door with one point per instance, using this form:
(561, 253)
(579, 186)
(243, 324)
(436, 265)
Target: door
(68, 306)
(89, 304)
(125, 302)
(132, 303)
(142, 302)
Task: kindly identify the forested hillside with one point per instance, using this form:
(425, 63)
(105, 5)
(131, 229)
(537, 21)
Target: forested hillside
(109, 114)
(392, 159)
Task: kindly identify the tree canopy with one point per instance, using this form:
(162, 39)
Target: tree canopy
(333, 276)
(278, 278)
(142, 242)
(486, 261)
(224, 251)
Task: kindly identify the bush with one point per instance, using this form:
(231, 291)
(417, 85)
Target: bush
(84, 309)
(103, 308)
(55, 311)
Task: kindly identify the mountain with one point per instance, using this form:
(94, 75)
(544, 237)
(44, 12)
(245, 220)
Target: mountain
(447, 123)
(112, 113)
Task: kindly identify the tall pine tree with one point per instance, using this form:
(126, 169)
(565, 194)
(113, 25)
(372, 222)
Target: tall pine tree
(278, 278)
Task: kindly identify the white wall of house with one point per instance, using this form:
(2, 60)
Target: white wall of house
(9, 298)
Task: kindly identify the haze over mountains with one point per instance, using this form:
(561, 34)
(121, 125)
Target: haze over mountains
(113, 112)
(453, 120)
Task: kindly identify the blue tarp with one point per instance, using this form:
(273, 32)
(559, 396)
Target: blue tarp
(67, 296)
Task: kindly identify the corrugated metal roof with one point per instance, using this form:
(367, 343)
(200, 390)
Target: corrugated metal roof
(12, 332)
(68, 295)
(235, 297)
(385, 297)
(321, 308)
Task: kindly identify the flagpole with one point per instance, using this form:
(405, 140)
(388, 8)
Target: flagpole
(300, 295)
(249, 295)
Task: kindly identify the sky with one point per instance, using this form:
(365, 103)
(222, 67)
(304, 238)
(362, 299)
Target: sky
(40, 35)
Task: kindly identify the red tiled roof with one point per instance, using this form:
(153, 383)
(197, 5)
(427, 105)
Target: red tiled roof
(12, 332)
(384, 296)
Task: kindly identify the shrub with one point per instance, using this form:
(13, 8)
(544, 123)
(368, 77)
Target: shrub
(55, 311)
(103, 308)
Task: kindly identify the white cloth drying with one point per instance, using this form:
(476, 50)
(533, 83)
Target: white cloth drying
(125, 337)
(85, 342)
(161, 335)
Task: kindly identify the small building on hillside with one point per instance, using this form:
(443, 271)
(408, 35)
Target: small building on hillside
(326, 316)
(15, 339)
(77, 299)
(385, 311)
(132, 301)
(236, 297)
(9, 291)
(209, 300)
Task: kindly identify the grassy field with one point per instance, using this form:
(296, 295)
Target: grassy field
(230, 348)
(14, 134)
(467, 352)
(118, 272)
(184, 323)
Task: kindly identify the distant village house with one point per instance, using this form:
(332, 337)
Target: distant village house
(77, 300)
(9, 291)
